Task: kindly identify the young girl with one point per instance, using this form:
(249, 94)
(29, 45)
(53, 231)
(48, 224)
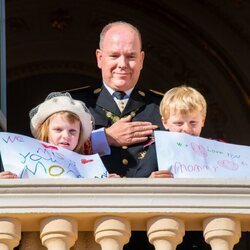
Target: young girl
(62, 121)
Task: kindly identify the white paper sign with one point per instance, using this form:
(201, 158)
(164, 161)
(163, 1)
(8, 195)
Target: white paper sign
(31, 158)
(189, 156)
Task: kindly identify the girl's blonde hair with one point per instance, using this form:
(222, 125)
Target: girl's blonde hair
(183, 99)
(43, 130)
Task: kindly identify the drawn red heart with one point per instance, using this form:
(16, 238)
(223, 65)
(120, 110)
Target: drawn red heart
(50, 146)
(85, 161)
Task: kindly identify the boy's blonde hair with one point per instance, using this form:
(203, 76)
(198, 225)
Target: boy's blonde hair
(43, 130)
(182, 99)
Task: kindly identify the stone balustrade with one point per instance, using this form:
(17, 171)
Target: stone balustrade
(99, 214)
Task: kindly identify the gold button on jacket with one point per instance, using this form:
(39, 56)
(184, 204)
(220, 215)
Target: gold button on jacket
(125, 161)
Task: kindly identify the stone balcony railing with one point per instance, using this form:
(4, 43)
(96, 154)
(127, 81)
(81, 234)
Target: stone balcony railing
(59, 214)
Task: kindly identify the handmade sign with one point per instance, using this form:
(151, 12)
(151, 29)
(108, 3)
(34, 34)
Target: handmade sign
(195, 157)
(31, 158)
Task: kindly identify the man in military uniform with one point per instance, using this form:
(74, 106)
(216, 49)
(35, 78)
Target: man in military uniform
(119, 101)
(128, 115)
(125, 159)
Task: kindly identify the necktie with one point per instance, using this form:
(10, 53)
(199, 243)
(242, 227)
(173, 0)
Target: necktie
(119, 95)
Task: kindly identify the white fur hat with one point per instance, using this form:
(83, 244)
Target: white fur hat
(57, 102)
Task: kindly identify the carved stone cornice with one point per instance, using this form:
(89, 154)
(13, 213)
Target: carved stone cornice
(85, 199)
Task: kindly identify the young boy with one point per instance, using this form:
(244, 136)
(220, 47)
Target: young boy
(183, 109)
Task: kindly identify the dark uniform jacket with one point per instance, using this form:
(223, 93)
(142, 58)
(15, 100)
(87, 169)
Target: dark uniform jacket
(143, 106)
(1, 165)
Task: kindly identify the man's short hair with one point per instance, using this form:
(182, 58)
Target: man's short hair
(107, 27)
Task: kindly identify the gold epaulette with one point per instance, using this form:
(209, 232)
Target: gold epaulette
(141, 93)
(156, 92)
(70, 90)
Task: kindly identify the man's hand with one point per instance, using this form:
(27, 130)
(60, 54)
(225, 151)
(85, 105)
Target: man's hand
(161, 174)
(125, 133)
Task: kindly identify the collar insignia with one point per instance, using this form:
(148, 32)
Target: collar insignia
(141, 93)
